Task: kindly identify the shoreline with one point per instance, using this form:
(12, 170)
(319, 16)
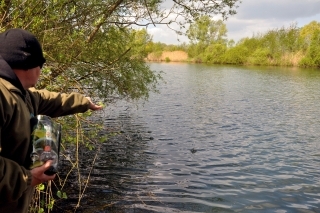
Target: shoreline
(182, 57)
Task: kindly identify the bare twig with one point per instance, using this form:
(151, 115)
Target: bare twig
(145, 2)
(90, 73)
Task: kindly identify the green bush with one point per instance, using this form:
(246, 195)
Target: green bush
(214, 52)
(260, 56)
(312, 57)
(236, 55)
(306, 62)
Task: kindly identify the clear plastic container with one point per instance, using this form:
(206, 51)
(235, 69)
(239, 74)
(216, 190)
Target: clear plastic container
(45, 139)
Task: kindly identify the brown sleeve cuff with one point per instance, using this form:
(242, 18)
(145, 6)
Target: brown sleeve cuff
(29, 178)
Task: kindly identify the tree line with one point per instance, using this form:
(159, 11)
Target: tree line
(286, 46)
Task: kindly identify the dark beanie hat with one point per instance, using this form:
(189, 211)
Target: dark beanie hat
(21, 49)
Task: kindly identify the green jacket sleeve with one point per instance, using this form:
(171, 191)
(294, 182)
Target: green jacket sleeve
(14, 179)
(56, 104)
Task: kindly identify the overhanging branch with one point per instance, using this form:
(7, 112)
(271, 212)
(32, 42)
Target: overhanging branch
(107, 14)
(90, 73)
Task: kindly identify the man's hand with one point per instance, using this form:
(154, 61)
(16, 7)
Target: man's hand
(38, 175)
(93, 106)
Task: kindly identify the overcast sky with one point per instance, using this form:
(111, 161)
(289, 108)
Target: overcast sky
(255, 16)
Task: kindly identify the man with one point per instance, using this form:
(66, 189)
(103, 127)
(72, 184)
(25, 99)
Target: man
(21, 60)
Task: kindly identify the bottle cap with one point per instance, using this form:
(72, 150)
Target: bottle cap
(47, 148)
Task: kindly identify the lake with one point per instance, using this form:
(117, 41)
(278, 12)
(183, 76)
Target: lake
(214, 139)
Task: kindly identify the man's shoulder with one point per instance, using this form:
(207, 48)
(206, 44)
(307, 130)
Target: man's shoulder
(8, 98)
(4, 83)
(7, 86)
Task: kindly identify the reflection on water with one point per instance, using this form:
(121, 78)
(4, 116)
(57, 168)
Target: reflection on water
(216, 139)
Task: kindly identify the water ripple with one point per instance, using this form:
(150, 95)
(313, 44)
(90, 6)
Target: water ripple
(224, 139)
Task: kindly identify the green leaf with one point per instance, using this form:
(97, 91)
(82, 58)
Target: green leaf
(41, 187)
(59, 194)
(64, 195)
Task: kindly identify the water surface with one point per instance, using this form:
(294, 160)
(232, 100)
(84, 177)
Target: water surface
(215, 139)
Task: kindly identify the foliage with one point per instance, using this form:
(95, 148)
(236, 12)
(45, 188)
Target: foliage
(213, 53)
(171, 48)
(207, 31)
(43, 200)
(203, 33)
(261, 56)
(160, 47)
(271, 48)
(307, 32)
(140, 44)
(312, 58)
(77, 55)
(194, 50)
(157, 47)
(236, 55)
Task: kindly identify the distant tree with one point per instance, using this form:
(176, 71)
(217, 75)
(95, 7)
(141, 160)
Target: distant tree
(312, 57)
(288, 38)
(141, 41)
(231, 43)
(308, 31)
(205, 32)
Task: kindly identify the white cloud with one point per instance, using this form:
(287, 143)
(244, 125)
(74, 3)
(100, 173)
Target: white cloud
(253, 17)
(277, 9)
(165, 35)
